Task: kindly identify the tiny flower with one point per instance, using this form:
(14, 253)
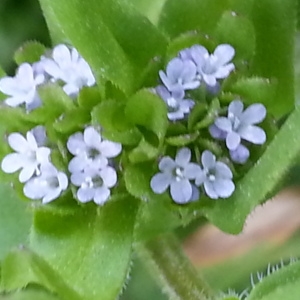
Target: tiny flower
(180, 74)
(211, 67)
(94, 184)
(176, 175)
(240, 154)
(240, 124)
(28, 156)
(215, 176)
(90, 149)
(21, 89)
(177, 106)
(47, 186)
(68, 66)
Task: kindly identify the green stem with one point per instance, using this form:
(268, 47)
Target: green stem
(172, 270)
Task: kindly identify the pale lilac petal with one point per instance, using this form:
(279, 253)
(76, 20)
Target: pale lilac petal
(18, 143)
(195, 193)
(71, 89)
(110, 149)
(224, 187)
(253, 134)
(12, 163)
(236, 108)
(76, 143)
(181, 191)
(224, 53)
(102, 194)
(85, 194)
(52, 68)
(109, 176)
(201, 178)
(209, 79)
(160, 182)
(78, 178)
(192, 171)
(208, 160)
(224, 71)
(15, 101)
(51, 195)
(32, 189)
(165, 80)
(223, 124)
(233, 140)
(8, 85)
(254, 114)
(167, 164)
(27, 172)
(78, 163)
(217, 133)
(183, 157)
(62, 180)
(92, 137)
(61, 54)
(31, 140)
(240, 154)
(222, 170)
(174, 69)
(210, 191)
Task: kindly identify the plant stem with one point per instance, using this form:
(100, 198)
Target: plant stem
(172, 270)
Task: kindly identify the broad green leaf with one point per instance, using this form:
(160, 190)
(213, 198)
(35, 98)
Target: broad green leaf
(22, 267)
(138, 37)
(148, 110)
(238, 31)
(15, 220)
(29, 52)
(110, 115)
(282, 284)
(260, 181)
(81, 24)
(143, 152)
(255, 90)
(91, 249)
(29, 294)
(89, 97)
(275, 23)
(182, 140)
(180, 16)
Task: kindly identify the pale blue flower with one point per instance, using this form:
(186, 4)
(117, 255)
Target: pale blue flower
(178, 107)
(216, 177)
(211, 67)
(89, 149)
(47, 186)
(94, 184)
(22, 89)
(28, 156)
(180, 74)
(240, 155)
(70, 68)
(240, 124)
(177, 175)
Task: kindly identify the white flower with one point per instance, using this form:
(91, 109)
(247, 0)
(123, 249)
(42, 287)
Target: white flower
(21, 89)
(90, 150)
(177, 106)
(47, 186)
(176, 174)
(240, 124)
(94, 184)
(215, 176)
(28, 156)
(68, 66)
(180, 74)
(211, 67)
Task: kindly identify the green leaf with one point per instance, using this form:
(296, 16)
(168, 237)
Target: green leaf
(148, 110)
(30, 52)
(282, 284)
(275, 25)
(143, 152)
(89, 97)
(81, 24)
(22, 267)
(91, 249)
(255, 90)
(29, 294)
(180, 16)
(260, 181)
(15, 220)
(110, 115)
(237, 31)
(182, 140)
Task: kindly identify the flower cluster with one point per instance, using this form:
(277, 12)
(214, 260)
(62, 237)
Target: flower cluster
(192, 67)
(91, 167)
(214, 176)
(42, 180)
(65, 66)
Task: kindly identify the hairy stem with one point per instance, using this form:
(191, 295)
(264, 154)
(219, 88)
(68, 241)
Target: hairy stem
(172, 270)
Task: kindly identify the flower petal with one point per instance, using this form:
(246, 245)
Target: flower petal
(224, 53)
(101, 195)
(109, 176)
(191, 171)
(222, 170)
(224, 187)
(76, 143)
(92, 137)
(18, 143)
(33, 189)
(232, 140)
(224, 71)
(217, 133)
(253, 134)
(208, 160)
(183, 157)
(85, 194)
(78, 178)
(254, 114)
(223, 124)
(167, 164)
(240, 154)
(210, 191)
(110, 149)
(160, 182)
(78, 163)
(27, 172)
(12, 162)
(235, 108)
(63, 180)
(181, 191)
(51, 195)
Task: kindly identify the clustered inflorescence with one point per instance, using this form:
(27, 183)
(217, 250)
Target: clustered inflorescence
(92, 170)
